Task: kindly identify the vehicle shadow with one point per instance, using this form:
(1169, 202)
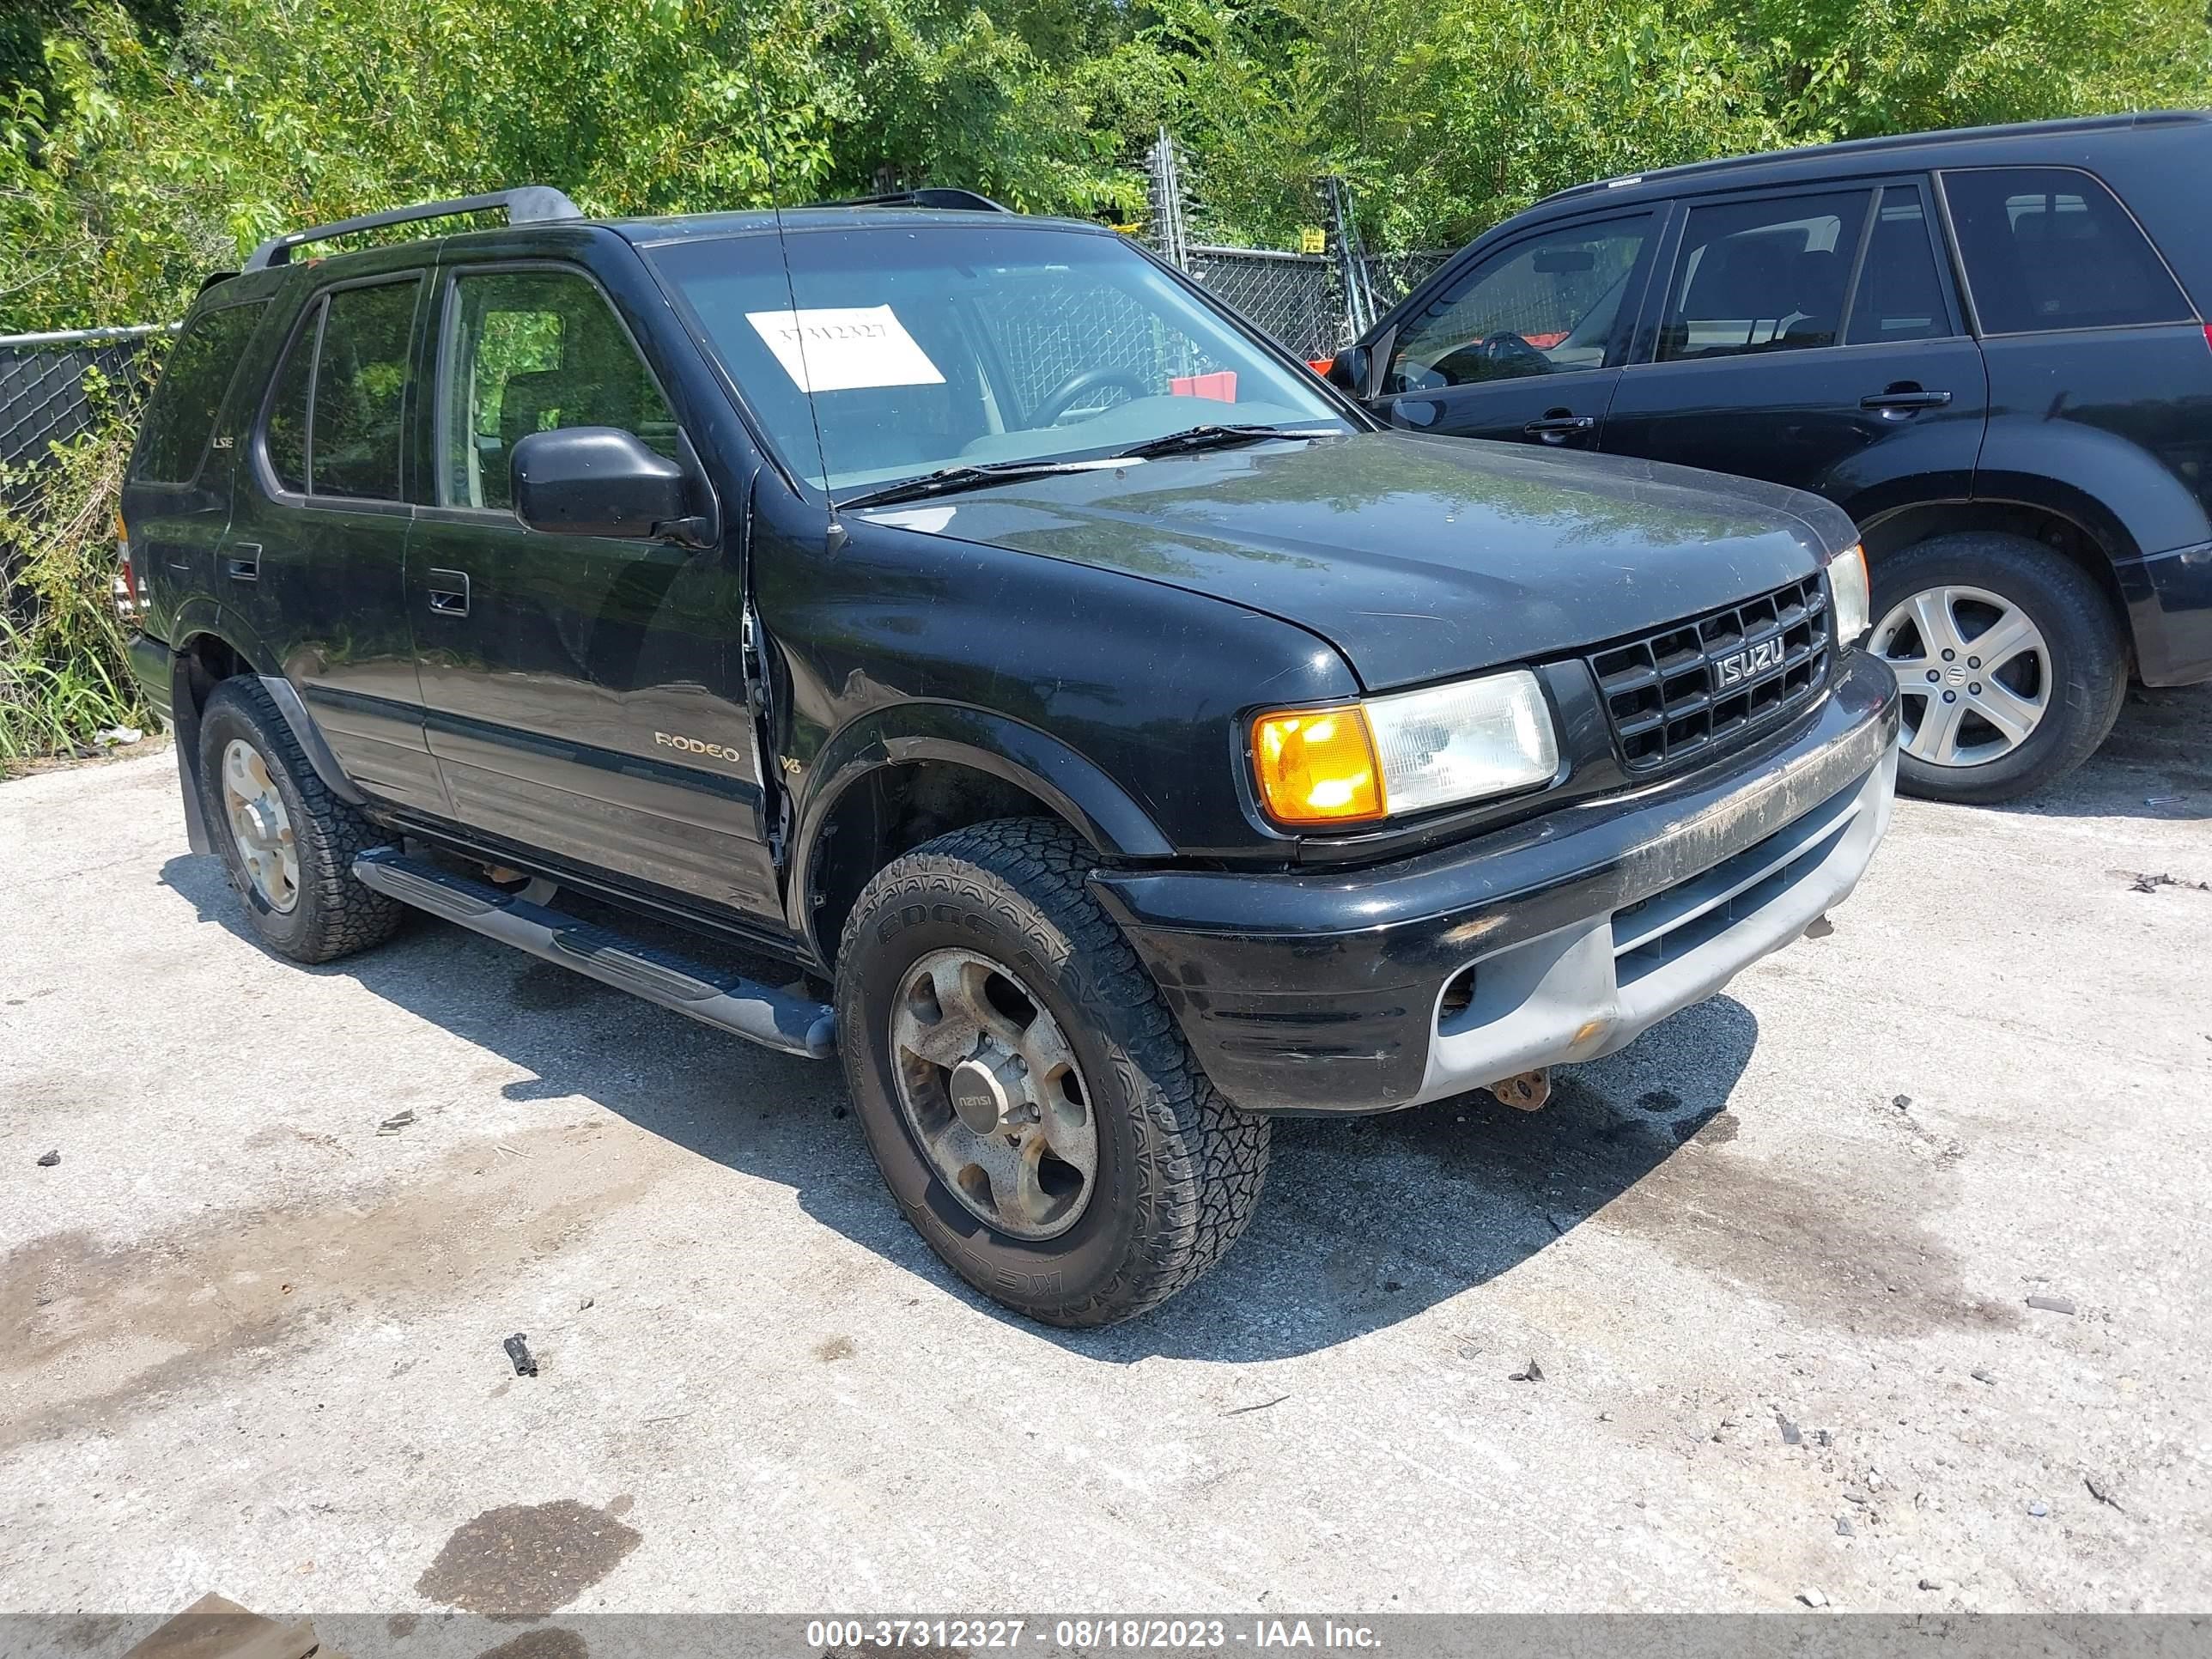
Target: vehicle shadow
(2156, 764)
(1365, 1221)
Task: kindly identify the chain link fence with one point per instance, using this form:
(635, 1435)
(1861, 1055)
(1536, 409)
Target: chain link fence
(1299, 298)
(43, 396)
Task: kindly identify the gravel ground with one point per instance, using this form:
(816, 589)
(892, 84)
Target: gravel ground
(1778, 1264)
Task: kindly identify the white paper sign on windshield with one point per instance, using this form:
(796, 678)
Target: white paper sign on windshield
(844, 349)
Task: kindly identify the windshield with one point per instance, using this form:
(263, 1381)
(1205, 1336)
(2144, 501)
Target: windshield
(930, 347)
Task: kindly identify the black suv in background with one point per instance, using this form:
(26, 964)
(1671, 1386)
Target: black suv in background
(1988, 347)
(965, 609)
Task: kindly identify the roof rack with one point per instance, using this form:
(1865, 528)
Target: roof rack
(929, 196)
(525, 204)
(2156, 117)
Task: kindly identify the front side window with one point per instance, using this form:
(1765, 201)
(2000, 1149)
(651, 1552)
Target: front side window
(181, 416)
(1899, 296)
(2049, 247)
(337, 410)
(1536, 307)
(891, 352)
(531, 351)
(1766, 276)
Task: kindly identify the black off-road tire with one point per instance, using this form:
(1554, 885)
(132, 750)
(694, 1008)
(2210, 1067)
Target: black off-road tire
(1179, 1169)
(2089, 657)
(333, 915)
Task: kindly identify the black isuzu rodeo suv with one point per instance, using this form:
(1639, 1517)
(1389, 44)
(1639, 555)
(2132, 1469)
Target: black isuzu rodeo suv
(969, 612)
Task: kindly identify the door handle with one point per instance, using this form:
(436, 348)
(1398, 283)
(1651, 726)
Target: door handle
(1558, 426)
(1903, 398)
(243, 562)
(449, 592)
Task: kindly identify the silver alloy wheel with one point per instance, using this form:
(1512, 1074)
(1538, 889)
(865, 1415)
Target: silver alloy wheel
(1975, 673)
(259, 825)
(991, 1090)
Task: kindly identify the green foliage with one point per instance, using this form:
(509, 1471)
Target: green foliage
(63, 674)
(144, 142)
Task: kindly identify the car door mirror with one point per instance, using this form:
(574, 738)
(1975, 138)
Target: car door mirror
(600, 481)
(1349, 368)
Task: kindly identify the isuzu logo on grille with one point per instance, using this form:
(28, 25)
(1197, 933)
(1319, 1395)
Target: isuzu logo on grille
(1740, 665)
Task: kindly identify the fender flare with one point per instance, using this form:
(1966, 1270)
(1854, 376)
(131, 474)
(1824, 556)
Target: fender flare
(205, 620)
(1098, 808)
(2130, 503)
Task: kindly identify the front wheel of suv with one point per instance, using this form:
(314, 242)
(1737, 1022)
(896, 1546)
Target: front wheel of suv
(2008, 659)
(287, 841)
(1025, 1091)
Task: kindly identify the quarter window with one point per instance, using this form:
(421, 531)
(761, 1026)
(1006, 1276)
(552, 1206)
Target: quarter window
(181, 417)
(1764, 275)
(531, 351)
(1538, 307)
(2048, 248)
(1899, 296)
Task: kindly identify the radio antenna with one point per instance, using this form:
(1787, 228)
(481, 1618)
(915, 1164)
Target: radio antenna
(833, 532)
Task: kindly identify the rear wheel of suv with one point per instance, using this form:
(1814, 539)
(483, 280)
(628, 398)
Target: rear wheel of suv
(2008, 659)
(1025, 1091)
(289, 843)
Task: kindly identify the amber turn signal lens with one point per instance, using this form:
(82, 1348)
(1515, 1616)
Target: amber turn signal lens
(1317, 766)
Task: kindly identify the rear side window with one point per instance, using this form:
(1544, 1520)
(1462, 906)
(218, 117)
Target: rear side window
(1900, 296)
(2049, 248)
(180, 419)
(337, 411)
(1765, 276)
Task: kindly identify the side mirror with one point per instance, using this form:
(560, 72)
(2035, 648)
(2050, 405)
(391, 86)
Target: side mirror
(1349, 369)
(600, 481)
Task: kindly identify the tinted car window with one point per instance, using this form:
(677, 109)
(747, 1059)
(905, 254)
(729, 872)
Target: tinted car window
(181, 417)
(913, 348)
(2048, 247)
(361, 384)
(286, 432)
(1899, 296)
(1534, 307)
(533, 351)
(1765, 276)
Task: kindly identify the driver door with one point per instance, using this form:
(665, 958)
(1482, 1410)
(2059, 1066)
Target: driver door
(1525, 344)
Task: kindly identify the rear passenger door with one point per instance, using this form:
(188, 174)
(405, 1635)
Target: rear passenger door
(317, 550)
(1809, 337)
(1526, 342)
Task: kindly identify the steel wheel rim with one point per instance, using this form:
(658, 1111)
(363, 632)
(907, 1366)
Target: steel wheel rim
(260, 827)
(992, 1094)
(1974, 671)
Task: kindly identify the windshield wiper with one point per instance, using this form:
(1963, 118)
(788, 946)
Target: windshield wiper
(949, 480)
(1215, 437)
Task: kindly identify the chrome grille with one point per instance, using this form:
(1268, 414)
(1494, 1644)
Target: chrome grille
(1695, 684)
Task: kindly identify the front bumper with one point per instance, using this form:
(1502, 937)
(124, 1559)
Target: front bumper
(1326, 991)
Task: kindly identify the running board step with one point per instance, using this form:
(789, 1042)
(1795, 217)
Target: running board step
(743, 1007)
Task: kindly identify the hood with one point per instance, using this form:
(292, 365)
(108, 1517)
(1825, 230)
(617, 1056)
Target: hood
(1417, 557)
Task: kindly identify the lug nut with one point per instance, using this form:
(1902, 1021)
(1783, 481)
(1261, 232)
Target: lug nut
(1973, 662)
(1974, 689)
(1950, 656)
(1950, 696)
(1932, 677)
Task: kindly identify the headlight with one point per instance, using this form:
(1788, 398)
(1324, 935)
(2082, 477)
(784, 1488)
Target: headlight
(1390, 756)
(1847, 588)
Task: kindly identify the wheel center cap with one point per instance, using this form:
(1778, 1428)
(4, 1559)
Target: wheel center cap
(979, 1097)
(1956, 674)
